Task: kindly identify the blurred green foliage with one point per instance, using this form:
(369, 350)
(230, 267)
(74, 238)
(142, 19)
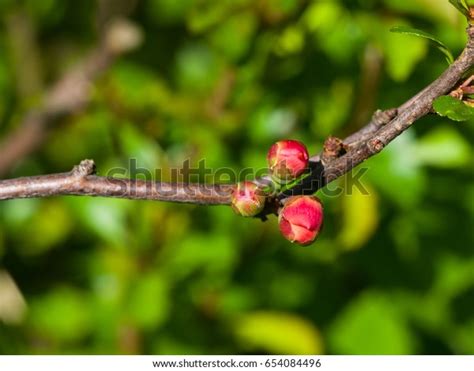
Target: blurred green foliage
(393, 270)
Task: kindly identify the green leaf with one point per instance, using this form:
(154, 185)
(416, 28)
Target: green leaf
(371, 324)
(148, 303)
(405, 183)
(443, 147)
(462, 6)
(415, 32)
(278, 333)
(453, 108)
(360, 216)
(212, 255)
(402, 53)
(62, 315)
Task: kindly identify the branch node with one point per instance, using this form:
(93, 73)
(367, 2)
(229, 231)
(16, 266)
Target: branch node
(381, 118)
(375, 145)
(86, 167)
(333, 148)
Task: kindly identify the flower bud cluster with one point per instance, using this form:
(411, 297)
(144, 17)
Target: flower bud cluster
(301, 217)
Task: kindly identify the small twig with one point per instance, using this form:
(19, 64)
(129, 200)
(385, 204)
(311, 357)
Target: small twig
(468, 81)
(463, 88)
(468, 90)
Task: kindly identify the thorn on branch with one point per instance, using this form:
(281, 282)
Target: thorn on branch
(85, 168)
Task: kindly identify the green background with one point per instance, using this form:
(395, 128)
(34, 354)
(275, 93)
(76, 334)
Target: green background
(391, 273)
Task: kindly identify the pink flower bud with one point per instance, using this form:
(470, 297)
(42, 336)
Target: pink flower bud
(301, 218)
(247, 199)
(288, 159)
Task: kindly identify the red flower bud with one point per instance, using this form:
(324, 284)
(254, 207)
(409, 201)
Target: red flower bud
(301, 218)
(247, 199)
(288, 159)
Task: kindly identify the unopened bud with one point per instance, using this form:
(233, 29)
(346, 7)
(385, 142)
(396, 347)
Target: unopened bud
(248, 199)
(288, 159)
(301, 219)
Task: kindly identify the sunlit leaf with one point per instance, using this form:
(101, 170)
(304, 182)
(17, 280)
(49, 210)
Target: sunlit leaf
(443, 147)
(397, 173)
(168, 11)
(402, 54)
(290, 41)
(137, 88)
(415, 32)
(360, 215)
(321, 15)
(234, 37)
(62, 314)
(46, 229)
(454, 275)
(371, 324)
(462, 6)
(197, 67)
(453, 108)
(211, 253)
(103, 217)
(140, 150)
(332, 109)
(148, 304)
(435, 11)
(278, 333)
(204, 15)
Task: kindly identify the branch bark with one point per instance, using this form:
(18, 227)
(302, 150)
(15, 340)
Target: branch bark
(82, 181)
(384, 127)
(372, 139)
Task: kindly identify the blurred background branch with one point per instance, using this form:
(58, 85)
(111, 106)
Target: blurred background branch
(73, 90)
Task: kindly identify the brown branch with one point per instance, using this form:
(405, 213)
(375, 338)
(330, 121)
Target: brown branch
(82, 181)
(412, 110)
(339, 158)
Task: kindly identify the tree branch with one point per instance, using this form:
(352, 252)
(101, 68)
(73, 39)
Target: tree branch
(341, 157)
(82, 181)
(373, 138)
